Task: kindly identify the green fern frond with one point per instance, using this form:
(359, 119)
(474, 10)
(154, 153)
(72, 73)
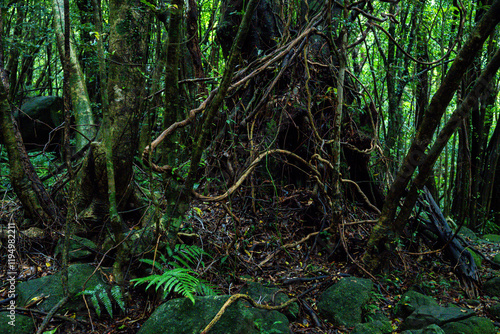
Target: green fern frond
(95, 303)
(205, 289)
(104, 297)
(181, 261)
(116, 292)
(156, 264)
(181, 278)
(100, 295)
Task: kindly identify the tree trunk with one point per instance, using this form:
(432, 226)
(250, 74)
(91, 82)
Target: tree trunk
(386, 231)
(173, 109)
(82, 110)
(25, 181)
(179, 199)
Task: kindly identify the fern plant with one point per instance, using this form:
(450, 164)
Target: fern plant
(100, 295)
(177, 275)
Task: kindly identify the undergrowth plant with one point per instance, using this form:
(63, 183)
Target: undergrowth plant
(100, 295)
(176, 273)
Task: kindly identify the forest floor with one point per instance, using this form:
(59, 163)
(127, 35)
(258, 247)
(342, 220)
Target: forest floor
(279, 244)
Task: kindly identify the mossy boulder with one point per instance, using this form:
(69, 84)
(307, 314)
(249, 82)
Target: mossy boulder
(492, 287)
(468, 233)
(494, 311)
(428, 315)
(16, 324)
(492, 238)
(373, 327)
(51, 287)
(342, 303)
(410, 301)
(181, 316)
(271, 296)
(472, 325)
(431, 329)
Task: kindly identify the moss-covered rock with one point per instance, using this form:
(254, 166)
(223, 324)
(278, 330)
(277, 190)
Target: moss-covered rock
(492, 287)
(472, 325)
(181, 316)
(373, 327)
(342, 303)
(16, 324)
(271, 296)
(428, 315)
(410, 301)
(492, 238)
(431, 329)
(494, 311)
(468, 233)
(51, 288)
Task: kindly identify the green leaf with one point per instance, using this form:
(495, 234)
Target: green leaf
(51, 331)
(149, 4)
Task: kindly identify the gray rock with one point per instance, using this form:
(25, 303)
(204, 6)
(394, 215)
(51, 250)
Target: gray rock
(374, 327)
(428, 315)
(16, 324)
(180, 316)
(342, 303)
(51, 287)
(492, 287)
(472, 325)
(410, 301)
(271, 296)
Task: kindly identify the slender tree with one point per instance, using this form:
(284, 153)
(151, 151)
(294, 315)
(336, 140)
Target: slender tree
(388, 227)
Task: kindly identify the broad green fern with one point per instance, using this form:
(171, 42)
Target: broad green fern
(177, 274)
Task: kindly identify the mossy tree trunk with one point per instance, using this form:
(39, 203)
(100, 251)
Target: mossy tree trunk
(25, 181)
(82, 110)
(105, 180)
(173, 111)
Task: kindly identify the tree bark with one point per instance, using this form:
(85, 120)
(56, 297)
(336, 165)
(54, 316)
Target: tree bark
(82, 110)
(172, 106)
(29, 189)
